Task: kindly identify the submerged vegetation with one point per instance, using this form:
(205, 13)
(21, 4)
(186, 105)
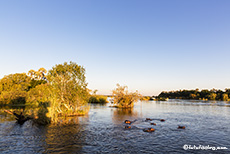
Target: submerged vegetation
(196, 94)
(123, 98)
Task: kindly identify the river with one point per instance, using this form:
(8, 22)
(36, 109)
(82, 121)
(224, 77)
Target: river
(103, 130)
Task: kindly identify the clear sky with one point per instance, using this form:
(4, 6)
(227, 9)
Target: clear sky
(148, 45)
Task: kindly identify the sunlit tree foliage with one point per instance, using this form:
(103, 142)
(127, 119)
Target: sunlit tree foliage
(69, 89)
(123, 98)
(13, 88)
(225, 97)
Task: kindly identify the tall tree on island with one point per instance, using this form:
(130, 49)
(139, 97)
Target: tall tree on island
(69, 89)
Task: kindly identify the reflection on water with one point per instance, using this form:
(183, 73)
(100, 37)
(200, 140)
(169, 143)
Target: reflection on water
(124, 112)
(103, 130)
(120, 115)
(68, 140)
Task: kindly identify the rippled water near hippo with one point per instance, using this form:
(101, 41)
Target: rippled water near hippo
(103, 130)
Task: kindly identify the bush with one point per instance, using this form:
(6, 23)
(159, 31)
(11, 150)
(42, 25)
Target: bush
(98, 99)
(145, 98)
(123, 98)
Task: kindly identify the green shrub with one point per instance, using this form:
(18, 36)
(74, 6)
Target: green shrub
(98, 99)
(123, 98)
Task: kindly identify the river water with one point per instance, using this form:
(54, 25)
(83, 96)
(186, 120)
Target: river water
(103, 130)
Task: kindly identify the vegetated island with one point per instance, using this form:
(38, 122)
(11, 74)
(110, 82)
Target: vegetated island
(197, 94)
(51, 96)
(61, 92)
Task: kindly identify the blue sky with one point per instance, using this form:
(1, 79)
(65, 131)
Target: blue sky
(148, 45)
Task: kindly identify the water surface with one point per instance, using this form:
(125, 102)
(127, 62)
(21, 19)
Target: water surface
(103, 130)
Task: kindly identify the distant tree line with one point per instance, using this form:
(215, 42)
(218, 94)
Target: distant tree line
(197, 94)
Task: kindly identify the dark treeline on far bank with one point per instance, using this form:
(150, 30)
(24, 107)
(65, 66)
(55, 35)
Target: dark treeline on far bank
(197, 94)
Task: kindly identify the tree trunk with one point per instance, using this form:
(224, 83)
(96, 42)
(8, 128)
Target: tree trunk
(21, 119)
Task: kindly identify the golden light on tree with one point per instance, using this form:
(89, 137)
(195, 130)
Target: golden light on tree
(123, 98)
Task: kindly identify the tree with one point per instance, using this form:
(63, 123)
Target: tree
(38, 75)
(192, 96)
(212, 96)
(204, 93)
(225, 97)
(42, 73)
(40, 97)
(19, 81)
(69, 89)
(123, 98)
(32, 73)
(13, 88)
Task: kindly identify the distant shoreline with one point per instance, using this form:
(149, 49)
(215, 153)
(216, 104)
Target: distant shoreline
(214, 94)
